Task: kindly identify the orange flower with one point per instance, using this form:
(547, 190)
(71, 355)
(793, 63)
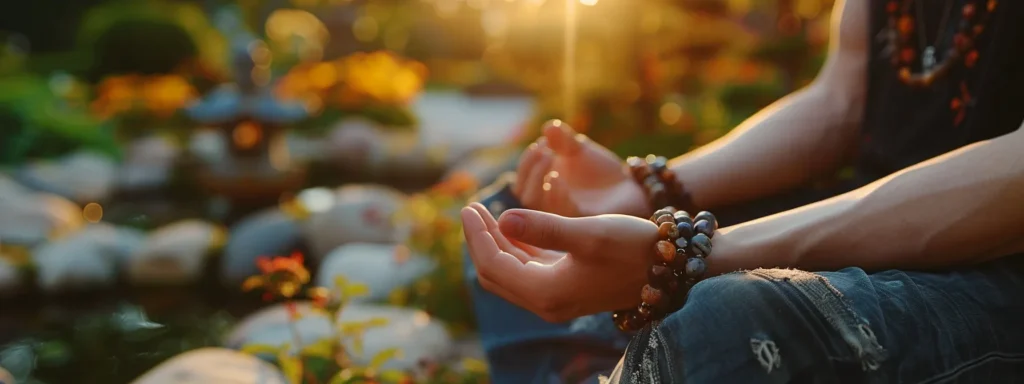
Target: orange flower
(281, 276)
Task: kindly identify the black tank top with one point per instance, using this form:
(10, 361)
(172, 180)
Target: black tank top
(904, 125)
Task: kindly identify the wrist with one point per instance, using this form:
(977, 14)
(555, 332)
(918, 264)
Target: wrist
(750, 246)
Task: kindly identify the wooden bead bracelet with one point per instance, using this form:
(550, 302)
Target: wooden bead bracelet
(679, 263)
(661, 184)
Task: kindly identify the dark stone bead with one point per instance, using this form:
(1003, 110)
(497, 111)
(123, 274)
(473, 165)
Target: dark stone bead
(707, 216)
(695, 268)
(660, 212)
(682, 216)
(668, 231)
(681, 242)
(673, 286)
(682, 252)
(968, 11)
(645, 311)
(659, 164)
(664, 218)
(701, 245)
(705, 228)
(660, 275)
(685, 229)
(679, 264)
(624, 320)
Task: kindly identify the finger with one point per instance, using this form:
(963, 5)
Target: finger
(557, 195)
(526, 162)
(549, 231)
(508, 275)
(562, 138)
(533, 189)
(524, 252)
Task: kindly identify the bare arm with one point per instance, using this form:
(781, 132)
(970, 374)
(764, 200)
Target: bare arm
(963, 207)
(800, 136)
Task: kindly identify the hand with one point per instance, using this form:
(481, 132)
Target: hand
(567, 174)
(603, 266)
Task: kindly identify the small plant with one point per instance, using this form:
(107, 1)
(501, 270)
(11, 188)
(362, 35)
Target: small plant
(327, 360)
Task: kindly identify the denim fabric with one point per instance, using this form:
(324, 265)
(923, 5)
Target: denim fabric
(784, 326)
(522, 348)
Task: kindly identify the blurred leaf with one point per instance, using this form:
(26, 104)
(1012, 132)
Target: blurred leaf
(346, 376)
(322, 348)
(290, 365)
(261, 349)
(392, 376)
(357, 345)
(352, 290)
(340, 282)
(382, 357)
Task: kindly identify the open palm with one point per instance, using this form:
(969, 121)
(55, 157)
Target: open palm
(567, 174)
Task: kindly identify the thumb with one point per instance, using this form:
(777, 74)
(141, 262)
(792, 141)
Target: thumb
(544, 230)
(561, 138)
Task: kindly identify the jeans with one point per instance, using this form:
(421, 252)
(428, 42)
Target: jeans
(781, 325)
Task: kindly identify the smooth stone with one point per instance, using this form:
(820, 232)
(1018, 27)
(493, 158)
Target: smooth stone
(82, 260)
(267, 233)
(353, 213)
(208, 145)
(415, 333)
(149, 163)
(213, 365)
(174, 254)
(383, 268)
(82, 176)
(356, 143)
(34, 218)
(6, 377)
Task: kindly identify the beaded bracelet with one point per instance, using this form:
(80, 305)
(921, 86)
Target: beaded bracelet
(679, 255)
(661, 184)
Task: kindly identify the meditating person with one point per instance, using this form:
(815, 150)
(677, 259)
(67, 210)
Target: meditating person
(912, 271)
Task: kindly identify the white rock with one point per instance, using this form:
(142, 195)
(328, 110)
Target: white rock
(354, 213)
(213, 365)
(79, 261)
(81, 176)
(148, 163)
(208, 145)
(383, 268)
(174, 254)
(267, 233)
(35, 217)
(416, 334)
(6, 377)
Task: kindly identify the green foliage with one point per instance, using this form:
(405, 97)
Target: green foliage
(35, 123)
(108, 348)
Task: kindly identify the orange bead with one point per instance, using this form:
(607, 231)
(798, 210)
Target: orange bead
(956, 104)
(904, 74)
(892, 7)
(668, 231)
(978, 29)
(992, 5)
(665, 251)
(971, 59)
(907, 55)
(968, 11)
(905, 25)
(653, 296)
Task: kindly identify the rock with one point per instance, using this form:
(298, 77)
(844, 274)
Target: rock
(416, 334)
(351, 214)
(36, 217)
(208, 145)
(383, 268)
(267, 233)
(149, 163)
(10, 188)
(175, 254)
(6, 377)
(213, 365)
(80, 261)
(82, 176)
(121, 242)
(356, 143)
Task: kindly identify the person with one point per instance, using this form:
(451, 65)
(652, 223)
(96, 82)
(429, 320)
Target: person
(910, 271)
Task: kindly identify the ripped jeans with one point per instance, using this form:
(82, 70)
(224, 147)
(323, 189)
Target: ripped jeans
(786, 326)
(779, 326)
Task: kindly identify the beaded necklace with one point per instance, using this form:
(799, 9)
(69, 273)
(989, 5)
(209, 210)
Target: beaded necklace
(902, 24)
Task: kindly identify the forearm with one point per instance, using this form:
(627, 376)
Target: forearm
(803, 135)
(960, 208)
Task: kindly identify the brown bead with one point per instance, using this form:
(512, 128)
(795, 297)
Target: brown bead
(991, 6)
(956, 104)
(667, 176)
(660, 276)
(665, 251)
(961, 42)
(892, 7)
(668, 231)
(664, 218)
(971, 59)
(907, 55)
(653, 296)
(660, 212)
(905, 25)
(968, 11)
(978, 29)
